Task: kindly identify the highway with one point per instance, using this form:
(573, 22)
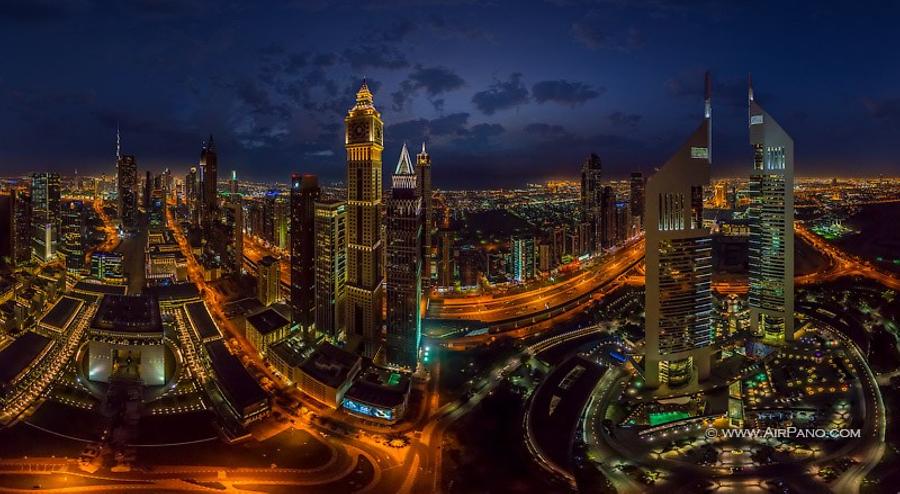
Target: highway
(528, 304)
(841, 263)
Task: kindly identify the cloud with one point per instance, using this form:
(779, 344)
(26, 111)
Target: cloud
(454, 123)
(546, 131)
(593, 32)
(620, 119)
(564, 92)
(885, 112)
(433, 80)
(501, 95)
(378, 57)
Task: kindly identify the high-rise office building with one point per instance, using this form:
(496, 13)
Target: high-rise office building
(423, 181)
(636, 197)
(148, 190)
(208, 189)
(282, 222)
(45, 214)
(126, 193)
(678, 297)
(304, 194)
(73, 235)
(608, 218)
(365, 278)
(404, 265)
(523, 258)
(591, 190)
(268, 282)
(331, 267)
(15, 226)
(191, 194)
(771, 213)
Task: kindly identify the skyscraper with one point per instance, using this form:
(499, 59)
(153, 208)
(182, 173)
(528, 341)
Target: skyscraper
(771, 213)
(73, 233)
(365, 282)
(404, 265)
(45, 214)
(16, 233)
(268, 282)
(208, 177)
(304, 194)
(523, 258)
(191, 194)
(590, 202)
(126, 198)
(331, 267)
(608, 223)
(636, 196)
(678, 258)
(423, 181)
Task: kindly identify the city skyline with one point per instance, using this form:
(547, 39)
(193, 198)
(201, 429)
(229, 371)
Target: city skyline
(532, 107)
(551, 291)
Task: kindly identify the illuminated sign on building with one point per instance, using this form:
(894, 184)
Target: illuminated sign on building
(756, 119)
(702, 153)
(368, 410)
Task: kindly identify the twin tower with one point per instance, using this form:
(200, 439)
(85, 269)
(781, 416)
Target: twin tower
(680, 339)
(408, 213)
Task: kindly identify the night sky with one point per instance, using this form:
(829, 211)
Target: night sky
(503, 92)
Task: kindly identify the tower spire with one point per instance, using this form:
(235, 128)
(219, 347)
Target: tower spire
(118, 143)
(749, 87)
(707, 98)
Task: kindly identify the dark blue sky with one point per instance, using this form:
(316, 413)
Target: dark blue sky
(504, 92)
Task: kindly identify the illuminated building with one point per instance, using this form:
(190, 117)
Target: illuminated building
(148, 188)
(45, 214)
(523, 259)
(378, 394)
(327, 374)
(771, 214)
(16, 234)
(331, 267)
(304, 194)
(208, 183)
(126, 193)
(608, 224)
(107, 266)
(73, 232)
(268, 281)
(678, 297)
(191, 193)
(636, 197)
(423, 181)
(365, 283)
(590, 203)
(404, 265)
(126, 340)
(265, 328)
(282, 219)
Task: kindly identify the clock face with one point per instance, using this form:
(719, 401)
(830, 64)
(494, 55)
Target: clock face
(359, 130)
(377, 133)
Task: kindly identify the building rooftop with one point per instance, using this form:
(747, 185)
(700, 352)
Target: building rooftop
(380, 387)
(330, 365)
(61, 313)
(100, 288)
(267, 321)
(18, 355)
(239, 387)
(292, 351)
(268, 261)
(128, 314)
(203, 323)
(174, 292)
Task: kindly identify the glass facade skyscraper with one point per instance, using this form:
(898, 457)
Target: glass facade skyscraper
(771, 214)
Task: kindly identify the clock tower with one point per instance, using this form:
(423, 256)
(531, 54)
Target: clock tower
(365, 282)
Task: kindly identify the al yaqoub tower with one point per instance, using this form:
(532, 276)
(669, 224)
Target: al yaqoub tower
(771, 215)
(365, 282)
(678, 296)
(404, 270)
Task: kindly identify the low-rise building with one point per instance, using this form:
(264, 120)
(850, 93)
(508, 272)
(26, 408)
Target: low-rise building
(265, 328)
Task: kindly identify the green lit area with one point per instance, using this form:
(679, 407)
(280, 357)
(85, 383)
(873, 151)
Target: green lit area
(832, 231)
(659, 418)
(394, 379)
